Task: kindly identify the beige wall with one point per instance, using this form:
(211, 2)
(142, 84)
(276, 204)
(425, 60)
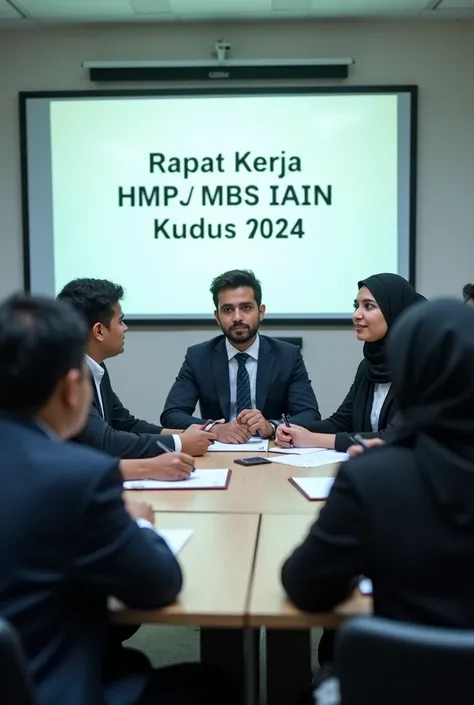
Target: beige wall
(437, 56)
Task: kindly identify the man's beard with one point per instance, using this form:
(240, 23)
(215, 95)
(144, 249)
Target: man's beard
(242, 336)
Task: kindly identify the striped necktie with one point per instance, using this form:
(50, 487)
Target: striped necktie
(244, 400)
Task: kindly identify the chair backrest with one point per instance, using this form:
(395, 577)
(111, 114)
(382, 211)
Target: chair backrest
(293, 339)
(16, 687)
(379, 661)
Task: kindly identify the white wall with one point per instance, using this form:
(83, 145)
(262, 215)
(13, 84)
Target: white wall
(437, 56)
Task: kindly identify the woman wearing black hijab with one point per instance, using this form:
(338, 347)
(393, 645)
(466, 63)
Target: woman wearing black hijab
(369, 407)
(403, 514)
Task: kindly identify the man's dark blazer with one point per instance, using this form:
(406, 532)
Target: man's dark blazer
(283, 386)
(66, 543)
(120, 434)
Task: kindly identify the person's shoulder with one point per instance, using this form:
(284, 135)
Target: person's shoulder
(79, 463)
(204, 348)
(379, 464)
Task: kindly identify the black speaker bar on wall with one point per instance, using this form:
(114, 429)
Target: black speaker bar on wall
(149, 71)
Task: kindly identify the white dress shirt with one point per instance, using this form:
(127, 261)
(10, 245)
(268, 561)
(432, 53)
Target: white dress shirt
(251, 365)
(380, 394)
(97, 372)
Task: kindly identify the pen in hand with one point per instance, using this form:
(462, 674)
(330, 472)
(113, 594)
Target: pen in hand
(165, 449)
(287, 424)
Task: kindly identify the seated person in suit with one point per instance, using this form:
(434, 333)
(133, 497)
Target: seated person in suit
(242, 379)
(110, 426)
(468, 294)
(403, 514)
(67, 540)
(369, 407)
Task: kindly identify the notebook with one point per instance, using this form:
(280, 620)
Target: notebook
(311, 460)
(313, 488)
(215, 479)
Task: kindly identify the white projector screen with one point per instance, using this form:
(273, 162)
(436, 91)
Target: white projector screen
(161, 191)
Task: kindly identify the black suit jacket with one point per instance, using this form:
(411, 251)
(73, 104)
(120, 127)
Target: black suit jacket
(66, 543)
(353, 416)
(118, 432)
(283, 385)
(382, 519)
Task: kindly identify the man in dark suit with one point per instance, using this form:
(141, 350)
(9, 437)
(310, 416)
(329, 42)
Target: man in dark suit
(67, 540)
(110, 426)
(243, 380)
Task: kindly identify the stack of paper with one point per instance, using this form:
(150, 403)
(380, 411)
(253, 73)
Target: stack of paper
(314, 488)
(216, 479)
(311, 460)
(253, 445)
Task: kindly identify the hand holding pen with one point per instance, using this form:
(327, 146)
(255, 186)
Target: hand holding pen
(287, 424)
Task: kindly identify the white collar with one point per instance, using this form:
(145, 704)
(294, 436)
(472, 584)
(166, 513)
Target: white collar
(96, 369)
(252, 350)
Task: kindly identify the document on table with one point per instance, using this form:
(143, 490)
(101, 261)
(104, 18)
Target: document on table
(311, 460)
(297, 451)
(314, 488)
(253, 445)
(215, 479)
(176, 540)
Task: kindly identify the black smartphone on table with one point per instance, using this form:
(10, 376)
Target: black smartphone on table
(252, 461)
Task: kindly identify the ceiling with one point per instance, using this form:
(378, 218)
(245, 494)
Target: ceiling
(14, 12)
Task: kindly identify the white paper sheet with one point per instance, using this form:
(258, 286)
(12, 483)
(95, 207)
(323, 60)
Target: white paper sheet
(314, 487)
(175, 538)
(297, 451)
(198, 480)
(313, 460)
(253, 445)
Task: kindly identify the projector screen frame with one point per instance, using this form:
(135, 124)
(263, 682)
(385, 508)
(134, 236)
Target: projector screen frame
(203, 321)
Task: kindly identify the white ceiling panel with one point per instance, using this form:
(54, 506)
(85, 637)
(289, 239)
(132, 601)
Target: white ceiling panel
(44, 11)
(151, 7)
(326, 8)
(367, 7)
(76, 9)
(456, 5)
(7, 12)
(221, 8)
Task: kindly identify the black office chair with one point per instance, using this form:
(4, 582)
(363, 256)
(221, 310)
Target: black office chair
(16, 687)
(381, 662)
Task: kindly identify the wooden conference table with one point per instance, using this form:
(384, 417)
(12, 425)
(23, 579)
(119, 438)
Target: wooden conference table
(231, 570)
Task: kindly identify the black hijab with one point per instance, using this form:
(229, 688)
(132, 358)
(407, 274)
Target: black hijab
(431, 355)
(393, 295)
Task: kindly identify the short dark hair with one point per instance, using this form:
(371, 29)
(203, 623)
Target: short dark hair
(94, 298)
(41, 340)
(468, 292)
(232, 280)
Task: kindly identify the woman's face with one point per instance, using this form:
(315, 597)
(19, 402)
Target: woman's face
(369, 322)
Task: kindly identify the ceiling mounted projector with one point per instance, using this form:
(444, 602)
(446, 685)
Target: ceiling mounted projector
(217, 71)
